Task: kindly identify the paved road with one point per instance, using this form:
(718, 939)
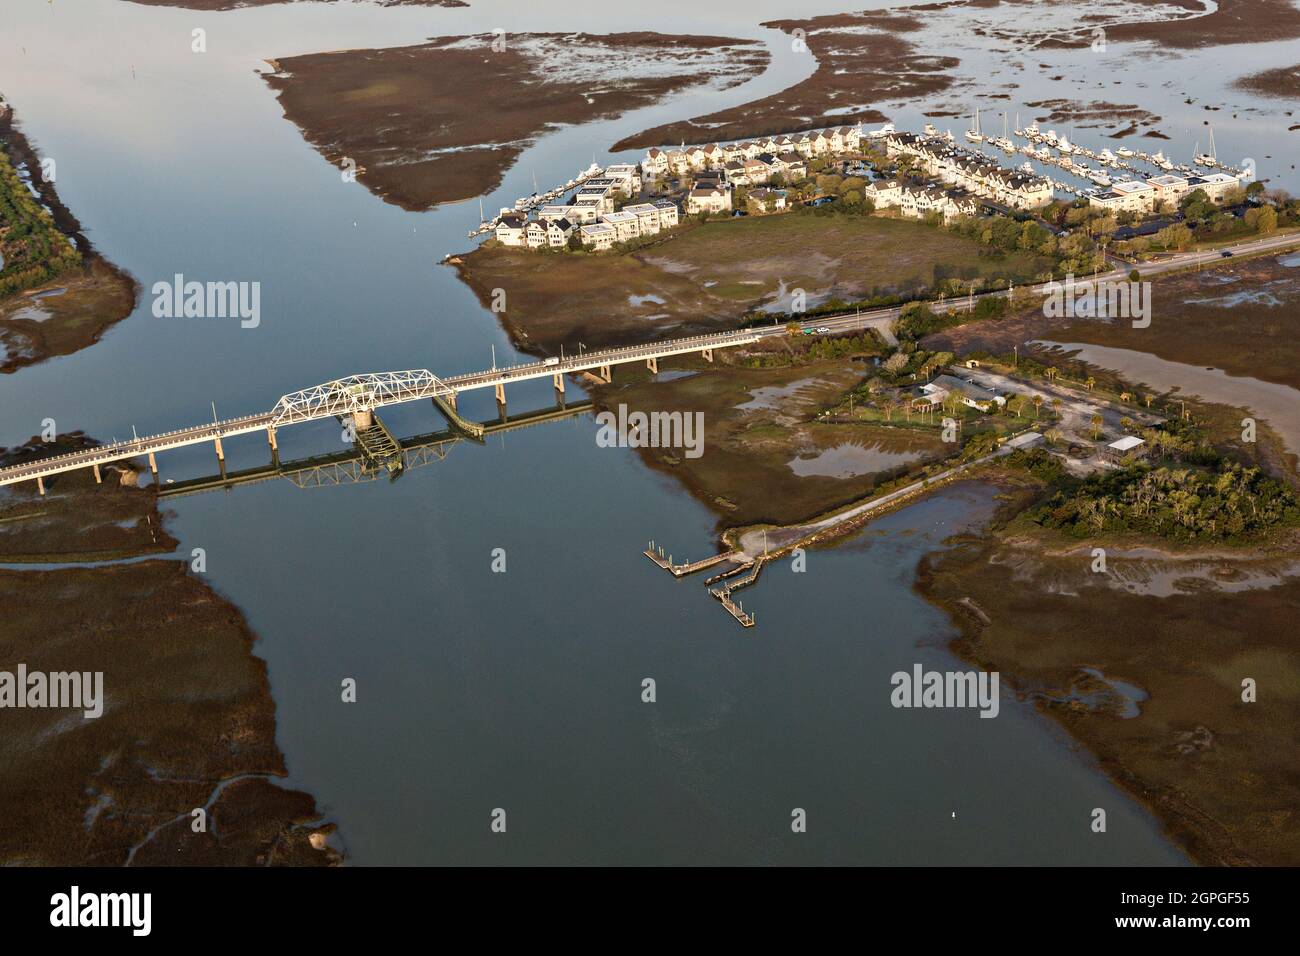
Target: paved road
(886, 317)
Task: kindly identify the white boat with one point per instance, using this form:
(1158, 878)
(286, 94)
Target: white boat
(886, 130)
(973, 134)
(1124, 152)
(1211, 158)
(1043, 153)
(1100, 178)
(1106, 157)
(1050, 137)
(930, 130)
(1027, 167)
(1063, 145)
(1159, 160)
(949, 137)
(1032, 130)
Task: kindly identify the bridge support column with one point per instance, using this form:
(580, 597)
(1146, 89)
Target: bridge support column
(653, 365)
(501, 400)
(707, 354)
(606, 373)
(275, 447)
(153, 465)
(98, 477)
(558, 380)
(221, 456)
(362, 419)
(40, 484)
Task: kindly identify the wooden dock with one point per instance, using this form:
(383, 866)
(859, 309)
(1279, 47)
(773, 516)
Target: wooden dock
(735, 610)
(681, 570)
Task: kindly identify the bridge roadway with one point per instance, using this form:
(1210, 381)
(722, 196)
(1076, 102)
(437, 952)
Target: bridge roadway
(363, 394)
(333, 398)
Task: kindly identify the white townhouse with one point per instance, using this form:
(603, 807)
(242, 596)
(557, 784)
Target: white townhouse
(625, 178)
(626, 225)
(535, 234)
(655, 163)
(510, 229)
(708, 199)
(647, 217)
(558, 232)
(597, 236)
(668, 213)
(884, 193)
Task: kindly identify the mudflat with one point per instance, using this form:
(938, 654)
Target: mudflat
(187, 716)
(766, 458)
(1144, 665)
(442, 121)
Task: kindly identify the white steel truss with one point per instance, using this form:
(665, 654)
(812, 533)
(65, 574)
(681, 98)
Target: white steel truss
(356, 393)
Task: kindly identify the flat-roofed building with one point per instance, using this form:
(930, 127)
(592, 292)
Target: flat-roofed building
(1218, 185)
(625, 178)
(1130, 446)
(1131, 195)
(668, 213)
(647, 216)
(625, 225)
(597, 236)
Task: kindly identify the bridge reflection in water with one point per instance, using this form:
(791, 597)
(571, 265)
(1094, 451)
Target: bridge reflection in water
(356, 465)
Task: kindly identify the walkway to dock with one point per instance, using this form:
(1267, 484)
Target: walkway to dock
(681, 570)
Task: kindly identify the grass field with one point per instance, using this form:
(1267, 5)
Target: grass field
(704, 277)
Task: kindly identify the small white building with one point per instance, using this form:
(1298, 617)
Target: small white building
(535, 234)
(1126, 447)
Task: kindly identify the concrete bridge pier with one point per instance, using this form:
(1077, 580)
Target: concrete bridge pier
(275, 447)
(606, 373)
(362, 419)
(501, 400)
(652, 364)
(40, 484)
(558, 380)
(707, 355)
(153, 465)
(98, 477)
(221, 456)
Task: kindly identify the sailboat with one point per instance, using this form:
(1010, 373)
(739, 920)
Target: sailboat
(1019, 131)
(1211, 158)
(1005, 143)
(973, 134)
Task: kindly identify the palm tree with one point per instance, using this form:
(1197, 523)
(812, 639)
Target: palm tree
(1090, 382)
(1038, 403)
(1096, 426)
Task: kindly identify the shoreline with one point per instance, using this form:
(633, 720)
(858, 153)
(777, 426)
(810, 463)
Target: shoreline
(110, 292)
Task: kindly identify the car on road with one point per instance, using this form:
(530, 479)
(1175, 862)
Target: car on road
(1226, 254)
(823, 330)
